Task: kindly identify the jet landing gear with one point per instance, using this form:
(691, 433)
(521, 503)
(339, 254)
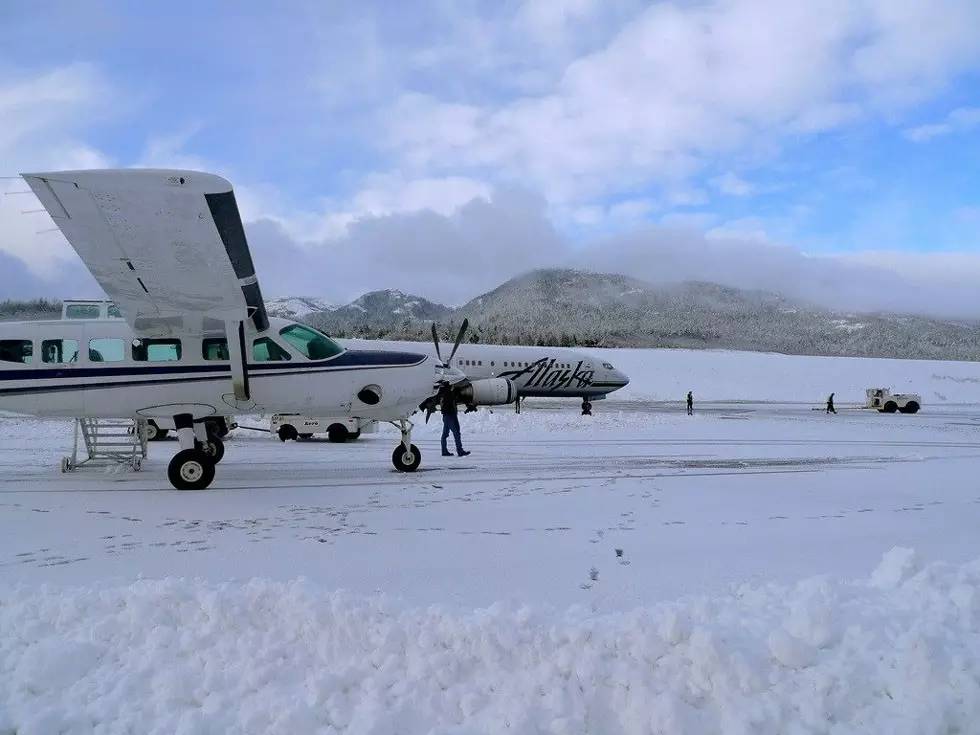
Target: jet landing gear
(586, 407)
(407, 457)
(192, 468)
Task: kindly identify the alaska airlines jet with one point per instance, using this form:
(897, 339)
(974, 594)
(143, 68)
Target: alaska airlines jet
(539, 372)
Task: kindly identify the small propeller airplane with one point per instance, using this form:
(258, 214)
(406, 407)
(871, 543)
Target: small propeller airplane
(195, 342)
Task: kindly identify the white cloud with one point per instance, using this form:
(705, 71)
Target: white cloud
(961, 120)
(679, 85)
(40, 117)
(732, 185)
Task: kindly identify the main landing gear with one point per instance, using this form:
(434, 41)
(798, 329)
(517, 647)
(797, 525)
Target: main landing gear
(192, 468)
(407, 457)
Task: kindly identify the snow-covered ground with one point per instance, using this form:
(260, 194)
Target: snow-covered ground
(753, 376)
(636, 571)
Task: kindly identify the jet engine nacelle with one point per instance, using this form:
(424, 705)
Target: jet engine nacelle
(488, 392)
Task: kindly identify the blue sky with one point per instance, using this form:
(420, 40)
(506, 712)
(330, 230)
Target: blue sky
(835, 131)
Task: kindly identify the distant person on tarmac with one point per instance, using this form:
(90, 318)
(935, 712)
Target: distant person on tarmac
(690, 403)
(830, 404)
(450, 421)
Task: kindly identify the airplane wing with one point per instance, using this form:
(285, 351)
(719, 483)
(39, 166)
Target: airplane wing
(167, 246)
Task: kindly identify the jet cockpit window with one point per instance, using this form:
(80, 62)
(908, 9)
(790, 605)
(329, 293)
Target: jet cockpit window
(156, 350)
(607, 366)
(265, 350)
(309, 342)
(214, 348)
(59, 351)
(16, 350)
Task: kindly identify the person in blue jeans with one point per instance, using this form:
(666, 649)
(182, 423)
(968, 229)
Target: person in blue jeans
(450, 421)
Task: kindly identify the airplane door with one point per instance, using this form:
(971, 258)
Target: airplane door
(58, 361)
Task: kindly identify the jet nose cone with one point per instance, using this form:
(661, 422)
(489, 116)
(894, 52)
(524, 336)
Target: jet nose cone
(622, 377)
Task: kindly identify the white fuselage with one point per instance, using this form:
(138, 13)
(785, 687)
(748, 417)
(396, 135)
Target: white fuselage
(555, 372)
(88, 368)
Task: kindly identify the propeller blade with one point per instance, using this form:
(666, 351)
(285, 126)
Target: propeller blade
(459, 338)
(435, 340)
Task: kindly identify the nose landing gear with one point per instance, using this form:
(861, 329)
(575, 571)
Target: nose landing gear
(586, 407)
(407, 457)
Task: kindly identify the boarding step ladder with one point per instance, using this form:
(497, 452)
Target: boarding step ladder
(108, 442)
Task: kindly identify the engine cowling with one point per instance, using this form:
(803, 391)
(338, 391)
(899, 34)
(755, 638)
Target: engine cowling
(488, 392)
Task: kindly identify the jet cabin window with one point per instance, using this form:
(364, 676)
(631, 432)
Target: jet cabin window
(59, 351)
(215, 348)
(82, 311)
(265, 350)
(310, 343)
(156, 350)
(16, 350)
(106, 349)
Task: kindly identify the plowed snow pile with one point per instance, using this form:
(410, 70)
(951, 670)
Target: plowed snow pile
(897, 653)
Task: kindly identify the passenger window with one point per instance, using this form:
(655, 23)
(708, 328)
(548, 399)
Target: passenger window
(156, 350)
(82, 311)
(106, 349)
(215, 348)
(16, 350)
(265, 350)
(113, 312)
(310, 343)
(59, 351)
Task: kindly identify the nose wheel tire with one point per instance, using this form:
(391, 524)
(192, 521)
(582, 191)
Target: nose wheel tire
(190, 469)
(406, 460)
(213, 447)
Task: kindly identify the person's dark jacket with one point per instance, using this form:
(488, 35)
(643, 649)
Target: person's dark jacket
(447, 401)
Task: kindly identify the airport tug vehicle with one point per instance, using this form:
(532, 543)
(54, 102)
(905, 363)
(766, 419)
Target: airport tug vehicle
(293, 426)
(884, 401)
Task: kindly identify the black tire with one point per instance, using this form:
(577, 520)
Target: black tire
(287, 432)
(910, 407)
(154, 433)
(337, 433)
(190, 469)
(213, 447)
(890, 407)
(398, 459)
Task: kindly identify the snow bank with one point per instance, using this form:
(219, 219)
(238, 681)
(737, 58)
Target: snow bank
(761, 376)
(899, 653)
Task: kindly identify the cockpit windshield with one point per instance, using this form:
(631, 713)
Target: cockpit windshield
(607, 366)
(312, 344)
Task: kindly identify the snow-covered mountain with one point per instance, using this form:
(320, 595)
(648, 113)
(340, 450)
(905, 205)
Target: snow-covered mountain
(380, 312)
(297, 307)
(573, 307)
(560, 306)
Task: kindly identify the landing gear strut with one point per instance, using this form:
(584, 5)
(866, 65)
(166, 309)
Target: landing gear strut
(407, 457)
(586, 407)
